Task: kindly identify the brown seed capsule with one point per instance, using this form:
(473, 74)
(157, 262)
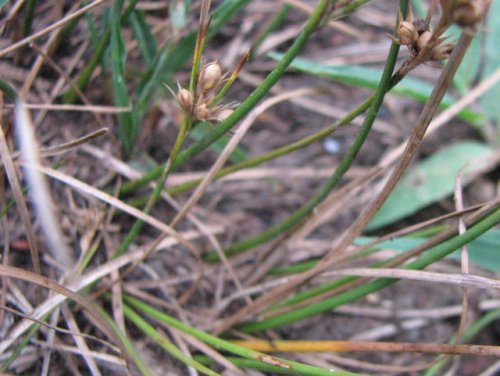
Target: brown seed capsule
(407, 33)
(210, 76)
(201, 111)
(442, 52)
(467, 12)
(423, 39)
(185, 99)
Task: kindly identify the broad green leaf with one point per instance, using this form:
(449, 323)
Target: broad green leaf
(483, 251)
(429, 181)
(366, 77)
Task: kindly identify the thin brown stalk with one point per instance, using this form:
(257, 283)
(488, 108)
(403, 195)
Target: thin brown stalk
(361, 346)
(466, 280)
(75, 107)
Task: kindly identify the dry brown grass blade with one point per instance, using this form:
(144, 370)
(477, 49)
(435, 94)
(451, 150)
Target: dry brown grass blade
(4, 222)
(55, 25)
(101, 109)
(17, 192)
(59, 329)
(79, 340)
(63, 292)
(39, 189)
(361, 346)
(102, 196)
(466, 280)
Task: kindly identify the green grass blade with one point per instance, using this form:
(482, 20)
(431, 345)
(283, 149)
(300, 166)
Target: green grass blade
(144, 36)
(431, 180)
(253, 364)
(84, 77)
(127, 343)
(128, 129)
(161, 340)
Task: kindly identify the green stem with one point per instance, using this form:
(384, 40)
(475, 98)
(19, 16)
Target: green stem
(433, 255)
(299, 368)
(138, 224)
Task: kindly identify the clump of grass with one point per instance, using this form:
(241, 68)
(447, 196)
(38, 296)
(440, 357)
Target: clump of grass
(105, 285)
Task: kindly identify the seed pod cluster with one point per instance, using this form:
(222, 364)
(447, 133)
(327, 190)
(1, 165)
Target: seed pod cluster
(200, 105)
(416, 34)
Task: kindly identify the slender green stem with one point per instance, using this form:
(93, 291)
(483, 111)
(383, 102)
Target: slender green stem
(253, 364)
(252, 162)
(138, 224)
(433, 255)
(20, 347)
(299, 368)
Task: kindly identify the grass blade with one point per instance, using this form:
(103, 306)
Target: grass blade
(128, 129)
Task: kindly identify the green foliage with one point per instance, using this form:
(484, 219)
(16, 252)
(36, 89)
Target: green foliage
(430, 180)
(489, 102)
(128, 130)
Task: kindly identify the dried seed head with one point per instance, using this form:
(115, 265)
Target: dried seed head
(442, 52)
(185, 99)
(467, 12)
(210, 76)
(221, 114)
(201, 111)
(407, 32)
